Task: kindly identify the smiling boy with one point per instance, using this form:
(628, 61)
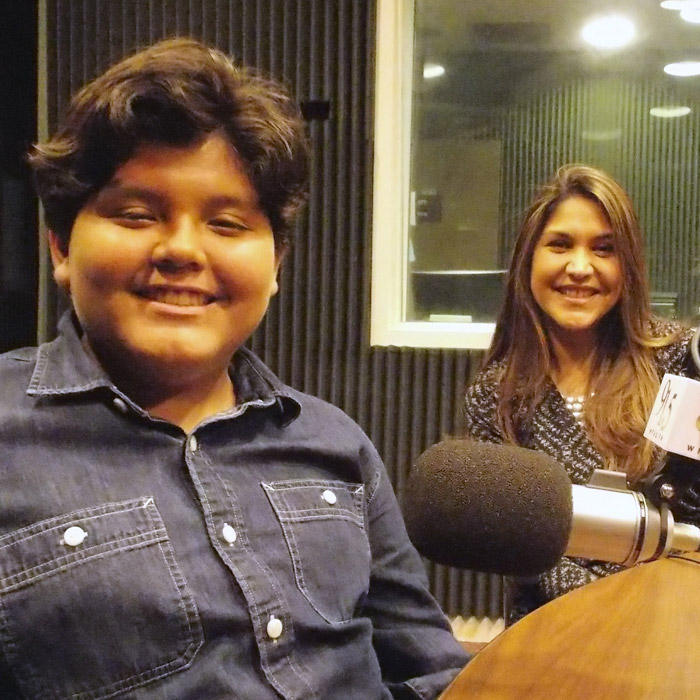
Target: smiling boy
(175, 522)
(170, 268)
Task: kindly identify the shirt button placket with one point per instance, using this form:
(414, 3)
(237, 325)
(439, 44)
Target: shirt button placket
(274, 628)
(120, 405)
(229, 533)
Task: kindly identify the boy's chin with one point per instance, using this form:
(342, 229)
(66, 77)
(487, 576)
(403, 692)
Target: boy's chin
(167, 357)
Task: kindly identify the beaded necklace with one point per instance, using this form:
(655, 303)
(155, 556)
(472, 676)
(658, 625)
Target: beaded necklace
(575, 405)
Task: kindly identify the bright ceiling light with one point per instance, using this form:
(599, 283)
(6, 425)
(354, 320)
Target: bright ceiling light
(609, 32)
(433, 70)
(683, 68)
(680, 4)
(669, 112)
(691, 15)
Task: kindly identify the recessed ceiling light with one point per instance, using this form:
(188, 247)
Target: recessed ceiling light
(669, 112)
(609, 32)
(680, 4)
(683, 68)
(691, 15)
(433, 70)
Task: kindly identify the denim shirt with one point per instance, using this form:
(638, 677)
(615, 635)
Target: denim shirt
(261, 556)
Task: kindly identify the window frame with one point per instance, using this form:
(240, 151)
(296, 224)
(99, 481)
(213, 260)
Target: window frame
(392, 211)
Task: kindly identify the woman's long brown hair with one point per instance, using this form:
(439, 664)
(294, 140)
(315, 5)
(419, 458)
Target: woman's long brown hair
(624, 378)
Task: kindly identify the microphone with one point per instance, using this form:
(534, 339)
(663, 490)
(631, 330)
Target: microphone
(508, 510)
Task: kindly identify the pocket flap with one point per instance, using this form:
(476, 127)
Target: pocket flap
(44, 547)
(313, 499)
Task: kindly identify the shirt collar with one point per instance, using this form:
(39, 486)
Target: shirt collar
(65, 367)
(256, 384)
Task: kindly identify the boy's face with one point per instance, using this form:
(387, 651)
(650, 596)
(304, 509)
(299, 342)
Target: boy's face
(172, 264)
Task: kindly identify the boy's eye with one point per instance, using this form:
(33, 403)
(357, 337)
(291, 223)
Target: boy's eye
(134, 217)
(227, 226)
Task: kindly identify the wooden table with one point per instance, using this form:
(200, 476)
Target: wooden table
(630, 636)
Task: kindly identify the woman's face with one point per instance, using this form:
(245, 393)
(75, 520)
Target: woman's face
(576, 276)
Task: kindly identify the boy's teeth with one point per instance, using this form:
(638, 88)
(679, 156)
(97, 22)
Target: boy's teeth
(179, 298)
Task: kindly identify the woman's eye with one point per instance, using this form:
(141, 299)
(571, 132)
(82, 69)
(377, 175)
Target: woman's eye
(558, 244)
(605, 249)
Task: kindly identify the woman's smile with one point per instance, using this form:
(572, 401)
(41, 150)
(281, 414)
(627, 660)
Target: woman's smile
(576, 277)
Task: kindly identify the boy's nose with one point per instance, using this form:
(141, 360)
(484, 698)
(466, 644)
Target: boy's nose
(179, 247)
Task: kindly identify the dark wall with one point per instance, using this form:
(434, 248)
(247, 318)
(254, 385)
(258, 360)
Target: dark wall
(18, 239)
(316, 334)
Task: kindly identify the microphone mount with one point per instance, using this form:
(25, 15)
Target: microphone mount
(604, 510)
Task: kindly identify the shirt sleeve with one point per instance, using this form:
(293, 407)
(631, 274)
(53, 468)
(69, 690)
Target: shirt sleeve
(418, 654)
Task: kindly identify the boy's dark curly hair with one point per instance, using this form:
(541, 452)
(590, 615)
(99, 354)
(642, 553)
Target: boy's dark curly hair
(175, 92)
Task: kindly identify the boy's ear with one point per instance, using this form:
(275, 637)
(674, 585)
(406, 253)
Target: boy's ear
(280, 254)
(281, 250)
(59, 258)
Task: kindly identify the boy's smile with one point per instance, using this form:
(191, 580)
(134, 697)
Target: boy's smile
(172, 264)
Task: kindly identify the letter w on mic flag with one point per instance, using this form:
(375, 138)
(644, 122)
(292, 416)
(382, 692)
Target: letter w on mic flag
(674, 424)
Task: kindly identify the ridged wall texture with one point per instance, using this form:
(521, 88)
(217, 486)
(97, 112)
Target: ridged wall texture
(606, 122)
(316, 333)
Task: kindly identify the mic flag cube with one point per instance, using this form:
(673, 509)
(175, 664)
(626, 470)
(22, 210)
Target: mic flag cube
(674, 424)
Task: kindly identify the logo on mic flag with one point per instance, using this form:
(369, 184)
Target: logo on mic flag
(675, 418)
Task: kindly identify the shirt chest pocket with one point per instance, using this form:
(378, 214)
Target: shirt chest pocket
(324, 528)
(92, 603)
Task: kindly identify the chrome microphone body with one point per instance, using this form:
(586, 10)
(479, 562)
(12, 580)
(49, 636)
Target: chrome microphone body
(618, 525)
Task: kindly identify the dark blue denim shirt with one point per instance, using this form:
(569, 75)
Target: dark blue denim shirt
(261, 556)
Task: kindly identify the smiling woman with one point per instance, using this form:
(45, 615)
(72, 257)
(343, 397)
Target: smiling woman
(577, 355)
(576, 277)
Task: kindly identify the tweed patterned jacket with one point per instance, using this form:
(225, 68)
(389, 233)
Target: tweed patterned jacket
(554, 430)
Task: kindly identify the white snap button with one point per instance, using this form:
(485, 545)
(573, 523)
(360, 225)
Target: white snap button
(74, 536)
(274, 628)
(193, 443)
(329, 497)
(228, 533)
(120, 405)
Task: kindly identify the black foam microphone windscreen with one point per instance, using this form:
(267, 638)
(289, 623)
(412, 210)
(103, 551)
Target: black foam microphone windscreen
(493, 508)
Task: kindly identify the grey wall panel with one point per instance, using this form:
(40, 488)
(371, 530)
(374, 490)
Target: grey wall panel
(316, 334)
